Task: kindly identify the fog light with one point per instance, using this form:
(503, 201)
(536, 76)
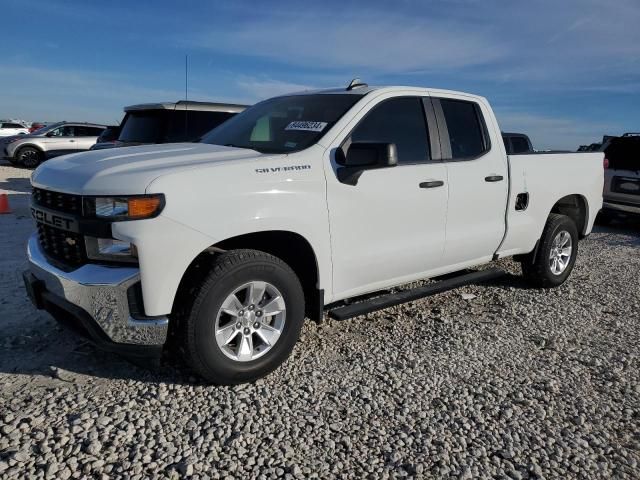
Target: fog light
(110, 249)
(110, 246)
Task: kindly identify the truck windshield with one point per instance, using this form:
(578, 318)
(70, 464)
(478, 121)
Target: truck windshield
(283, 124)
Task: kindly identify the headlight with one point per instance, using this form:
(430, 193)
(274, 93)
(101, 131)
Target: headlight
(110, 249)
(124, 208)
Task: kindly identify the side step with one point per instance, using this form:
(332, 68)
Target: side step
(389, 300)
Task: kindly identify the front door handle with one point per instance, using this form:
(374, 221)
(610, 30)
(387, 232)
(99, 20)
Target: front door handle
(494, 178)
(431, 184)
(72, 141)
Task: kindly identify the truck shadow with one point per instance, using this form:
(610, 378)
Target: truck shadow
(16, 185)
(629, 227)
(49, 354)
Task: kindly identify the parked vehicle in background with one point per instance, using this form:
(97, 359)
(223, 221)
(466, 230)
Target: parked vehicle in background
(36, 126)
(8, 129)
(516, 143)
(621, 176)
(297, 203)
(107, 138)
(57, 139)
(183, 121)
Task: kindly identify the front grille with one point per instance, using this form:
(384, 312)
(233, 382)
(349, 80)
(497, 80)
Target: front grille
(61, 202)
(65, 247)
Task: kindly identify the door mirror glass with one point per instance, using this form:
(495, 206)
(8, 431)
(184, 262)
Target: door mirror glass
(371, 154)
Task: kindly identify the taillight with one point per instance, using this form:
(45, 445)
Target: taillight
(605, 163)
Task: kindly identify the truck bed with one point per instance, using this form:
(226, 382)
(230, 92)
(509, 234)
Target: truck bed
(546, 177)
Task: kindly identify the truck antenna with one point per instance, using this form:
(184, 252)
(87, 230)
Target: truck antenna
(186, 95)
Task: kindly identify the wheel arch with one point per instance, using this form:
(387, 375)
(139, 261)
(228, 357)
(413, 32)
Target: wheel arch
(32, 145)
(291, 247)
(576, 207)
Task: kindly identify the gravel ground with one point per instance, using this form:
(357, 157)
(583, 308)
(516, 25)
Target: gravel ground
(494, 381)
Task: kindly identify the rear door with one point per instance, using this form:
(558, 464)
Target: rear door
(477, 178)
(389, 226)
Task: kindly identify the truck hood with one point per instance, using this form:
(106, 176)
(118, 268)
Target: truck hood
(129, 170)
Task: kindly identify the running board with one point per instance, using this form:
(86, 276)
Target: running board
(389, 300)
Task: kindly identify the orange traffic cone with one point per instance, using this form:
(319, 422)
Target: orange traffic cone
(4, 203)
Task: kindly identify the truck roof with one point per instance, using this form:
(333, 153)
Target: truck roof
(188, 105)
(365, 89)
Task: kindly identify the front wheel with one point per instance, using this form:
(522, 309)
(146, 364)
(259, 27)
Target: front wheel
(245, 319)
(556, 254)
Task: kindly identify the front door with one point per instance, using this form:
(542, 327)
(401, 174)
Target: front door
(60, 141)
(388, 228)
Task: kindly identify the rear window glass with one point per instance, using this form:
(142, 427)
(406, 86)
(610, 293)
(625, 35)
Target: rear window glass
(191, 125)
(624, 153)
(519, 144)
(465, 131)
(143, 127)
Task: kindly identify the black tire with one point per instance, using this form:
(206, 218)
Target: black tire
(538, 271)
(197, 325)
(29, 157)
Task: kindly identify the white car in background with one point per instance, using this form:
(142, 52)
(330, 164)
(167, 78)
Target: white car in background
(8, 129)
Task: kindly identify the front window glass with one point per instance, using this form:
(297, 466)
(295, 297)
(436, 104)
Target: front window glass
(283, 124)
(400, 121)
(144, 127)
(66, 131)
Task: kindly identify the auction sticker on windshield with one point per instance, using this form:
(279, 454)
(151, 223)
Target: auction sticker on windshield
(306, 126)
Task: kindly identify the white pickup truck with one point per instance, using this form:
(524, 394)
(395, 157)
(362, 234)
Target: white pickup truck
(301, 204)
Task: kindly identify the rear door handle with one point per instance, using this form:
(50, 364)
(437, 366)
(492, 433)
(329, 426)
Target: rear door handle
(431, 184)
(494, 178)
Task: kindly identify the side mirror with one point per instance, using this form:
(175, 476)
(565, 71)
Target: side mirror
(370, 154)
(49, 134)
(363, 156)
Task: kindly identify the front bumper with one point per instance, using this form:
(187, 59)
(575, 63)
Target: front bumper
(95, 299)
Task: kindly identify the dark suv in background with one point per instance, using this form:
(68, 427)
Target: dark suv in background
(107, 138)
(516, 143)
(183, 121)
(621, 176)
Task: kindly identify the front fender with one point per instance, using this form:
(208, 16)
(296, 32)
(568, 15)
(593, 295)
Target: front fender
(207, 205)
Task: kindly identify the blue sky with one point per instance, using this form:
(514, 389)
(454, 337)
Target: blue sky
(564, 71)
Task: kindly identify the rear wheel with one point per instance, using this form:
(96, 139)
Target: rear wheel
(556, 254)
(29, 157)
(245, 318)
